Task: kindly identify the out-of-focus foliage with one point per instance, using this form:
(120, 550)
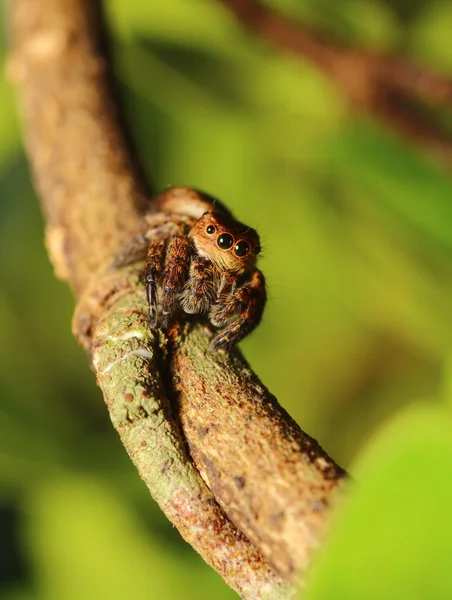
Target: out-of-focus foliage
(357, 235)
(390, 542)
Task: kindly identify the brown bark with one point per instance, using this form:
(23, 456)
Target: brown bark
(272, 480)
(81, 164)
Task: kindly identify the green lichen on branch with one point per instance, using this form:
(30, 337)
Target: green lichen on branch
(126, 356)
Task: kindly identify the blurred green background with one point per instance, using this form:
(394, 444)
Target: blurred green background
(355, 343)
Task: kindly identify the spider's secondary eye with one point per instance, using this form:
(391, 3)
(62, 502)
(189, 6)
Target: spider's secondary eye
(225, 241)
(205, 213)
(241, 248)
(210, 229)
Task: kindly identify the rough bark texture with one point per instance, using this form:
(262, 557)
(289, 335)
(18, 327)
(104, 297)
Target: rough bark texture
(270, 479)
(78, 152)
(127, 358)
(273, 480)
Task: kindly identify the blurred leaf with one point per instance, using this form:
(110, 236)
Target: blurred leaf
(394, 538)
(198, 22)
(446, 390)
(184, 77)
(430, 36)
(19, 594)
(404, 181)
(210, 71)
(9, 138)
(87, 544)
(286, 87)
(369, 22)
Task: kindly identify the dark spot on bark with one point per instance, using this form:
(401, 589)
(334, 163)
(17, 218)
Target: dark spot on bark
(167, 465)
(203, 431)
(276, 518)
(128, 397)
(239, 482)
(333, 472)
(318, 505)
(211, 471)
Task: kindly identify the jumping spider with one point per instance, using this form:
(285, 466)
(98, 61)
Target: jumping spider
(205, 266)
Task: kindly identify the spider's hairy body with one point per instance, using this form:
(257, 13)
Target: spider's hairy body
(208, 266)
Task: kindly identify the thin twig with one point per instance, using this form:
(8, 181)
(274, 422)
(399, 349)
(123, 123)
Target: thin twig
(93, 197)
(388, 88)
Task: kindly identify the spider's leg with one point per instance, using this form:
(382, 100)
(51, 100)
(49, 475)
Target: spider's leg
(154, 226)
(136, 249)
(176, 270)
(239, 313)
(152, 273)
(201, 288)
(134, 252)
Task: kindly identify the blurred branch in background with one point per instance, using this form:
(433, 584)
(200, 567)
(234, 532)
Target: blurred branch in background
(93, 195)
(395, 91)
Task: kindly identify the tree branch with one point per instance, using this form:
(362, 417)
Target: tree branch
(267, 477)
(388, 88)
(78, 151)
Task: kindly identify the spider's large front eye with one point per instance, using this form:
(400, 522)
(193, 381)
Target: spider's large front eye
(210, 229)
(225, 241)
(241, 248)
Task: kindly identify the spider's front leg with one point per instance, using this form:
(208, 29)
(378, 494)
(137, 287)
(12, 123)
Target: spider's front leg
(152, 274)
(237, 313)
(167, 267)
(176, 269)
